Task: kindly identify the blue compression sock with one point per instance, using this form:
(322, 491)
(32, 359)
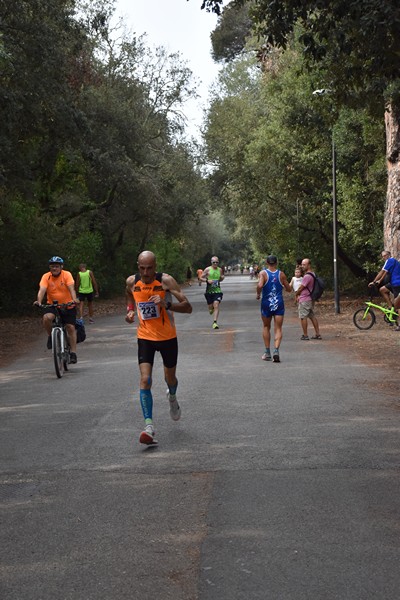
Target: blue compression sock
(173, 388)
(146, 401)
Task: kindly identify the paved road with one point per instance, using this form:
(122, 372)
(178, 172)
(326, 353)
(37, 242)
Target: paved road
(280, 482)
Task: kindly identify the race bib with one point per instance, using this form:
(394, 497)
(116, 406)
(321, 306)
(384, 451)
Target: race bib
(148, 310)
(214, 283)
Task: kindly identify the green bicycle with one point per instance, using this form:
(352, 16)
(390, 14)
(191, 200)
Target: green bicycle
(365, 318)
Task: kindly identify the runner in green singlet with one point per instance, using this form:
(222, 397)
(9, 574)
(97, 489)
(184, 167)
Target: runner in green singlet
(213, 275)
(86, 285)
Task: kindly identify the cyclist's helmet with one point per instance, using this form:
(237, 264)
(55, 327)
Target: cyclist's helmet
(56, 260)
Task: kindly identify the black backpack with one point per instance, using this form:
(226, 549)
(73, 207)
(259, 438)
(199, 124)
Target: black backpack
(318, 288)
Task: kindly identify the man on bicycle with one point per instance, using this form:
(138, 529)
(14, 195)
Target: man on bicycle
(390, 268)
(59, 285)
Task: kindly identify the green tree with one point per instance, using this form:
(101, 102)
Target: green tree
(357, 44)
(269, 140)
(91, 154)
(229, 36)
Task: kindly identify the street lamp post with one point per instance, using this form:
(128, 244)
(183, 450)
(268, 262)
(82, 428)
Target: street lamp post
(334, 230)
(322, 92)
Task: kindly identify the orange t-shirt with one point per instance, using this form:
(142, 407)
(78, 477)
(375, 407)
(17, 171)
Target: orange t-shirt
(155, 322)
(57, 287)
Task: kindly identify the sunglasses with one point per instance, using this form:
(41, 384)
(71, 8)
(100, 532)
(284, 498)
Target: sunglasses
(215, 262)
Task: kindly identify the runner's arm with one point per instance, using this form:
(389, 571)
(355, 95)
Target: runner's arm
(205, 274)
(260, 283)
(130, 302)
(285, 282)
(183, 305)
(96, 287)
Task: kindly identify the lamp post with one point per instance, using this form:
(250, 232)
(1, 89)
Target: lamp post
(322, 92)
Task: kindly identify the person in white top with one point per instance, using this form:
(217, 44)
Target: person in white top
(295, 282)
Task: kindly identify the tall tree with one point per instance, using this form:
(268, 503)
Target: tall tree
(269, 140)
(92, 166)
(358, 44)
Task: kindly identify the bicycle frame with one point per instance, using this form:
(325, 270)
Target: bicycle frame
(59, 339)
(390, 313)
(365, 318)
(60, 344)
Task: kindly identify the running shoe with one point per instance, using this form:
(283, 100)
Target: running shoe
(73, 358)
(275, 356)
(266, 356)
(49, 343)
(215, 325)
(91, 320)
(174, 408)
(148, 436)
(211, 310)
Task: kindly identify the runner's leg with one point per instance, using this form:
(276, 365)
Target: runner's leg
(266, 332)
(278, 322)
(146, 397)
(216, 309)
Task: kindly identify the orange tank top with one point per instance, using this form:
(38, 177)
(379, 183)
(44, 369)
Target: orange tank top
(155, 322)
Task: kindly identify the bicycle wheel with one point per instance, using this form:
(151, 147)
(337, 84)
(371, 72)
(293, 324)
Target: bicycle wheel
(364, 319)
(57, 351)
(388, 321)
(67, 350)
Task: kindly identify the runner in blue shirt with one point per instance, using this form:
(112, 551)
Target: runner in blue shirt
(270, 284)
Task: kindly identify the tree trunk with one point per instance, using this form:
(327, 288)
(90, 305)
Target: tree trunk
(391, 223)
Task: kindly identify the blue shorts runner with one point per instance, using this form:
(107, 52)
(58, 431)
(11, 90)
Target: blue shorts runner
(266, 312)
(211, 298)
(167, 348)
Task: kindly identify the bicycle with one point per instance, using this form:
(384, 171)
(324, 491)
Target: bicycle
(365, 318)
(59, 339)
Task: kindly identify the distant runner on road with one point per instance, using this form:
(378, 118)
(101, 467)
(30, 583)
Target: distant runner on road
(151, 294)
(213, 275)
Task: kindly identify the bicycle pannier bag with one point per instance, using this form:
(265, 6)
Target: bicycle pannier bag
(80, 331)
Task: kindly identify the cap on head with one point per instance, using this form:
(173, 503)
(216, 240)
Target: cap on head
(271, 260)
(56, 260)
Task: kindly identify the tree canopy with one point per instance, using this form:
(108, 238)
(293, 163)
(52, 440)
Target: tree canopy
(93, 162)
(351, 49)
(269, 138)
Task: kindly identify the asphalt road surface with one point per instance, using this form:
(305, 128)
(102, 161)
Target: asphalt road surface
(280, 481)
